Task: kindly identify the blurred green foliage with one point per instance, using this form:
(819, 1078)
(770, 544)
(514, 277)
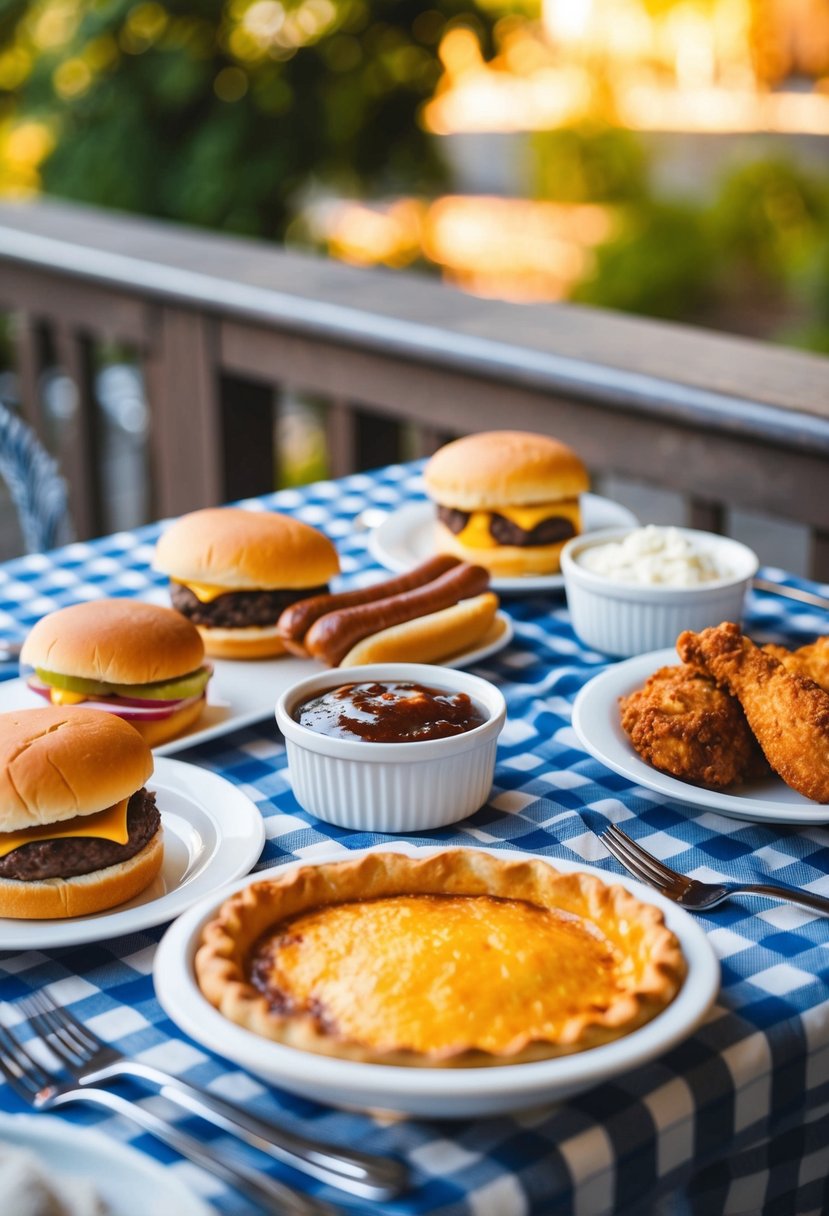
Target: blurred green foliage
(225, 112)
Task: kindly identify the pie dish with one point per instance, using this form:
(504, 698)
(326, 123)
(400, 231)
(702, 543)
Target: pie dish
(460, 958)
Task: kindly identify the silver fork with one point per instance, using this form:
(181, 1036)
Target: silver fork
(89, 1060)
(689, 892)
(41, 1090)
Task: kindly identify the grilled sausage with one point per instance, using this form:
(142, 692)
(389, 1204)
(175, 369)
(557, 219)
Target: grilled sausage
(295, 621)
(332, 636)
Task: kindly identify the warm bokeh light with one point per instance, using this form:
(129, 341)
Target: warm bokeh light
(712, 67)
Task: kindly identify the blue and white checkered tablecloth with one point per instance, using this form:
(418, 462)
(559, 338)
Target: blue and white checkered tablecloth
(735, 1119)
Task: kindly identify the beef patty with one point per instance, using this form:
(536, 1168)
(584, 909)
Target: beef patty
(238, 609)
(550, 531)
(81, 855)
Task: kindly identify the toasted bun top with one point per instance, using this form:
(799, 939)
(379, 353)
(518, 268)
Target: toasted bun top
(245, 550)
(117, 641)
(503, 468)
(57, 763)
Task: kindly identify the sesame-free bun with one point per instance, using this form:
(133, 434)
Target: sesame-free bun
(502, 561)
(116, 641)
(57, 763)
(254, 642)
(59, 898)
(492, 469)
(155, 731)
(245, 551)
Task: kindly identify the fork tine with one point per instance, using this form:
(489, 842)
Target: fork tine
(52, 1032)
(632, 863)
(86, 1038)
(645, 859)
(20, 1069)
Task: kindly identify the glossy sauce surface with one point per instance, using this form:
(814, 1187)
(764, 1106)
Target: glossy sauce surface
(389, 712)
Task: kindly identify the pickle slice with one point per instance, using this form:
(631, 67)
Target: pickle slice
(57, 679)
(189, 685)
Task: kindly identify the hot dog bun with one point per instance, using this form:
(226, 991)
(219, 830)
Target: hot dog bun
(431, 638)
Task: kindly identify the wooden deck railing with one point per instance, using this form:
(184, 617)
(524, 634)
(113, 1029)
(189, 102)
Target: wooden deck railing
(218, 322)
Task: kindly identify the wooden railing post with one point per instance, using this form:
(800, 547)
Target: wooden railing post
(185, 422)
(78, 450)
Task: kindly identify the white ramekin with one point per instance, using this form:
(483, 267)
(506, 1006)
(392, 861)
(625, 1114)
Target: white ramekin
(392, 787)
(624, 619)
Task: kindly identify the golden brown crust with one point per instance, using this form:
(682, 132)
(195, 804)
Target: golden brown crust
(637, 929)
(683, 724)
(117, 641)
(245, 550)
(59, 762)
(60, 898)
(500, 468)
(787, 712)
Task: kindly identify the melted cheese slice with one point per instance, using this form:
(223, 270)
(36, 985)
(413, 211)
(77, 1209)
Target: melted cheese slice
(110, 824)
(441, 973)
(476, 534)
(205, 592)
(62, 696)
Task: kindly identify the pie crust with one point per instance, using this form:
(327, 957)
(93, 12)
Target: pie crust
(460, 958)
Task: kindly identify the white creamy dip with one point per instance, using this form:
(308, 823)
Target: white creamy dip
(653, 557)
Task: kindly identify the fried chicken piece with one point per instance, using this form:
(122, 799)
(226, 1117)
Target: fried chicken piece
(788, 713)
(684, 725)
(811, 661)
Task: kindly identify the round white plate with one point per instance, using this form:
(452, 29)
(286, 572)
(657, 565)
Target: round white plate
(404, 539)
(597, 722)
(130, 1183)
(432, 1092)
(213, 834)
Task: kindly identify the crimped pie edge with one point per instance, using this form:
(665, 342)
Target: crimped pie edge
(221, 960)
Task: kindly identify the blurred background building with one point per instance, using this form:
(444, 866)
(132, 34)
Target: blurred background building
(662, 157)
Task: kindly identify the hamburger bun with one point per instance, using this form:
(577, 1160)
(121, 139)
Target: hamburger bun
(117, 641)
(494, 469)
(514, 475)
(252, 643)
(245, 551)
(58, 765)
(60, 898)
(502, 561)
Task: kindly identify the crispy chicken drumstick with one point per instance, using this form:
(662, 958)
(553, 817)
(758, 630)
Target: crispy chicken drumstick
(788, 712)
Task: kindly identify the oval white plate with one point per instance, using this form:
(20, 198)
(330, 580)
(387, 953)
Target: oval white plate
(404, 539)
(130, 1183)
(213, 834)
(597, 722)
(242, 692)
(432, 1092)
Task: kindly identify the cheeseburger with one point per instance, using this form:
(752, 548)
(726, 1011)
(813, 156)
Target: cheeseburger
(78, 830)
(233, 572)
(507, 500)
(140, 661)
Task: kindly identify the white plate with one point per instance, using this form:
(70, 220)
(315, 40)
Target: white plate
(405, 538)
(245, 691)
(432, 1092)
(597, 722)
(213, 834)
(130, 1183)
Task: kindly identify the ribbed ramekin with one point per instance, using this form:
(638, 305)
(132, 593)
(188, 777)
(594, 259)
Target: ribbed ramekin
(392, 787)
(624, 619)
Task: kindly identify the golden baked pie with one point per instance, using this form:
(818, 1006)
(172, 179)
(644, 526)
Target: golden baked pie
(458, 958)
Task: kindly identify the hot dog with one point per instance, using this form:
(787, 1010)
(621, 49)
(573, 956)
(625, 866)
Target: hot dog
(298, 618)
(333, 635)
(432, 638)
